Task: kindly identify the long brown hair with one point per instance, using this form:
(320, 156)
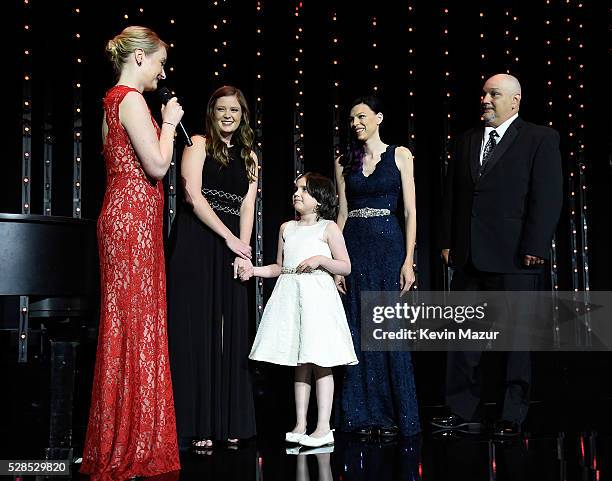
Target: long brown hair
(215, 147)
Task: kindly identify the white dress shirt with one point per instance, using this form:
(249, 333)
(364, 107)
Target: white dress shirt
(501, 130)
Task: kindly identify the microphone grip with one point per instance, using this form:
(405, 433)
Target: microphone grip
(185, 135)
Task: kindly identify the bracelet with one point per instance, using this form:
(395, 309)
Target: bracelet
(169, 123)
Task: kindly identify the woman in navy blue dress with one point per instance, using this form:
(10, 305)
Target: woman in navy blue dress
(378, 394)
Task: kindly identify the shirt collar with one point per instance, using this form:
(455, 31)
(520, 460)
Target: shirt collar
(501, 130)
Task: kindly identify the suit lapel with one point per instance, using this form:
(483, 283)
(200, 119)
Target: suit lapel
(475, 143)
(504, 144)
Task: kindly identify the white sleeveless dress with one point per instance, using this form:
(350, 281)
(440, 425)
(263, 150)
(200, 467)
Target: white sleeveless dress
(304, 320)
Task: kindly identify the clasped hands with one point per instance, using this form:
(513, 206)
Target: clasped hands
(243, 269)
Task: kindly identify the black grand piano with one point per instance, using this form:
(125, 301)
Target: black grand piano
(48, 307)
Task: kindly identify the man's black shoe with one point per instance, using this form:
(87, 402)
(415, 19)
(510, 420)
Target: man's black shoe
(453, 421)
(506, 429)
(364, 433)
(388, 432)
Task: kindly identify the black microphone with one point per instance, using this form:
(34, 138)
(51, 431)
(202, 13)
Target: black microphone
(165, 95)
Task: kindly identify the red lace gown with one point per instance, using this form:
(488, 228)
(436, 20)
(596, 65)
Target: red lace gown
(132, 427)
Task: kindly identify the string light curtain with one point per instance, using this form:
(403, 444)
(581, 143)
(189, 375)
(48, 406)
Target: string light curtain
(48, 145)
(482, 46)
(576, 123)
(375, 66)
(412, 41)
(571, 156)
(298, 91)
(335, 56)
(573, 40)
(548, 70)
(26, 111)
(219, 22)
(171, 176)
(26, 163)
(77, 116)
(259, 140)
(447, 106)
(511, 26)
(48, 153)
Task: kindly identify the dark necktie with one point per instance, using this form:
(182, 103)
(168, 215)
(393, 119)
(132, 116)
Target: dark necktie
(488, 149)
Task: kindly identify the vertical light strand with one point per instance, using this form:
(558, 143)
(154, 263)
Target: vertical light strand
(259, 140)
(507, 39)
(171, 176)
(482, 45)
(219, 22)
(567, 43)
(411, 124)
(514, 40)
(511, 37)
(26, 112)
(548, 72)
(48, 155)
(549, 115)
(576, 121)
(77, 118)
(447, 93)
(335, 59)
(26, 151)
(298, 91)
(579, 120)
(375, 67)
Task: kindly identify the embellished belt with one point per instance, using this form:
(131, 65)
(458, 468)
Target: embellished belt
(223, 201)
(289, 270)
(369, 212)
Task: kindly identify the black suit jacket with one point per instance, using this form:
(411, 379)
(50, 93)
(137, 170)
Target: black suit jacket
(512, 209)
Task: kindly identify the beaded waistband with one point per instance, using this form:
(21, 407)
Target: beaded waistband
(223, 201)
(289, 270)
(369, 212)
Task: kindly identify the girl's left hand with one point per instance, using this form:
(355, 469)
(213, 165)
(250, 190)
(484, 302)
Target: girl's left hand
(407, 278)
(308, 265)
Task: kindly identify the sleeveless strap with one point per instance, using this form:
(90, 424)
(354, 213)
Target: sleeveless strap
(112, 100)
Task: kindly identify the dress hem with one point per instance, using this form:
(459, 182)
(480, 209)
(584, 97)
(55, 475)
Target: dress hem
(300, 363)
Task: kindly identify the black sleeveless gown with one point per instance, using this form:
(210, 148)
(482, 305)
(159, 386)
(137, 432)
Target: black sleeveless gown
(208, 318)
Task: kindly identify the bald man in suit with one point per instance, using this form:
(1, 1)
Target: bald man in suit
(502, 202)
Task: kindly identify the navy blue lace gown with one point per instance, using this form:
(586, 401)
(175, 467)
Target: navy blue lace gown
(379, 391)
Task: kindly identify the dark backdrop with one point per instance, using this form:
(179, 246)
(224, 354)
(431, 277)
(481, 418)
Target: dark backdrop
(410, 44)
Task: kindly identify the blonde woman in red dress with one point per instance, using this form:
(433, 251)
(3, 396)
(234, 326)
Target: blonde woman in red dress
(132, 427)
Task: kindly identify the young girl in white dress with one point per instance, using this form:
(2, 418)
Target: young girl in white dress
(304, 323)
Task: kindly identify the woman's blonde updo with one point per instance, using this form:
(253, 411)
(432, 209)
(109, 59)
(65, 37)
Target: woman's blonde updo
(119, 48)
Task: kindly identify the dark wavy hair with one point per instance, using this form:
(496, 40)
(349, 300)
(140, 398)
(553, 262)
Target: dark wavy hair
(353, 154)
(215, 147)
(322, 189)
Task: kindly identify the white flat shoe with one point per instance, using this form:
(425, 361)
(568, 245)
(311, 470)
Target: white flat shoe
(311, 442)
(294, 437)
(293, 450)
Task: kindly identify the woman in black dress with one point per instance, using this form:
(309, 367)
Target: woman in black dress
(207, 307)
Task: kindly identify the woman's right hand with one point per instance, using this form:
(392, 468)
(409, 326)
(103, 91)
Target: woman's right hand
(172, 112)
(241, 249)
(340, 283)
